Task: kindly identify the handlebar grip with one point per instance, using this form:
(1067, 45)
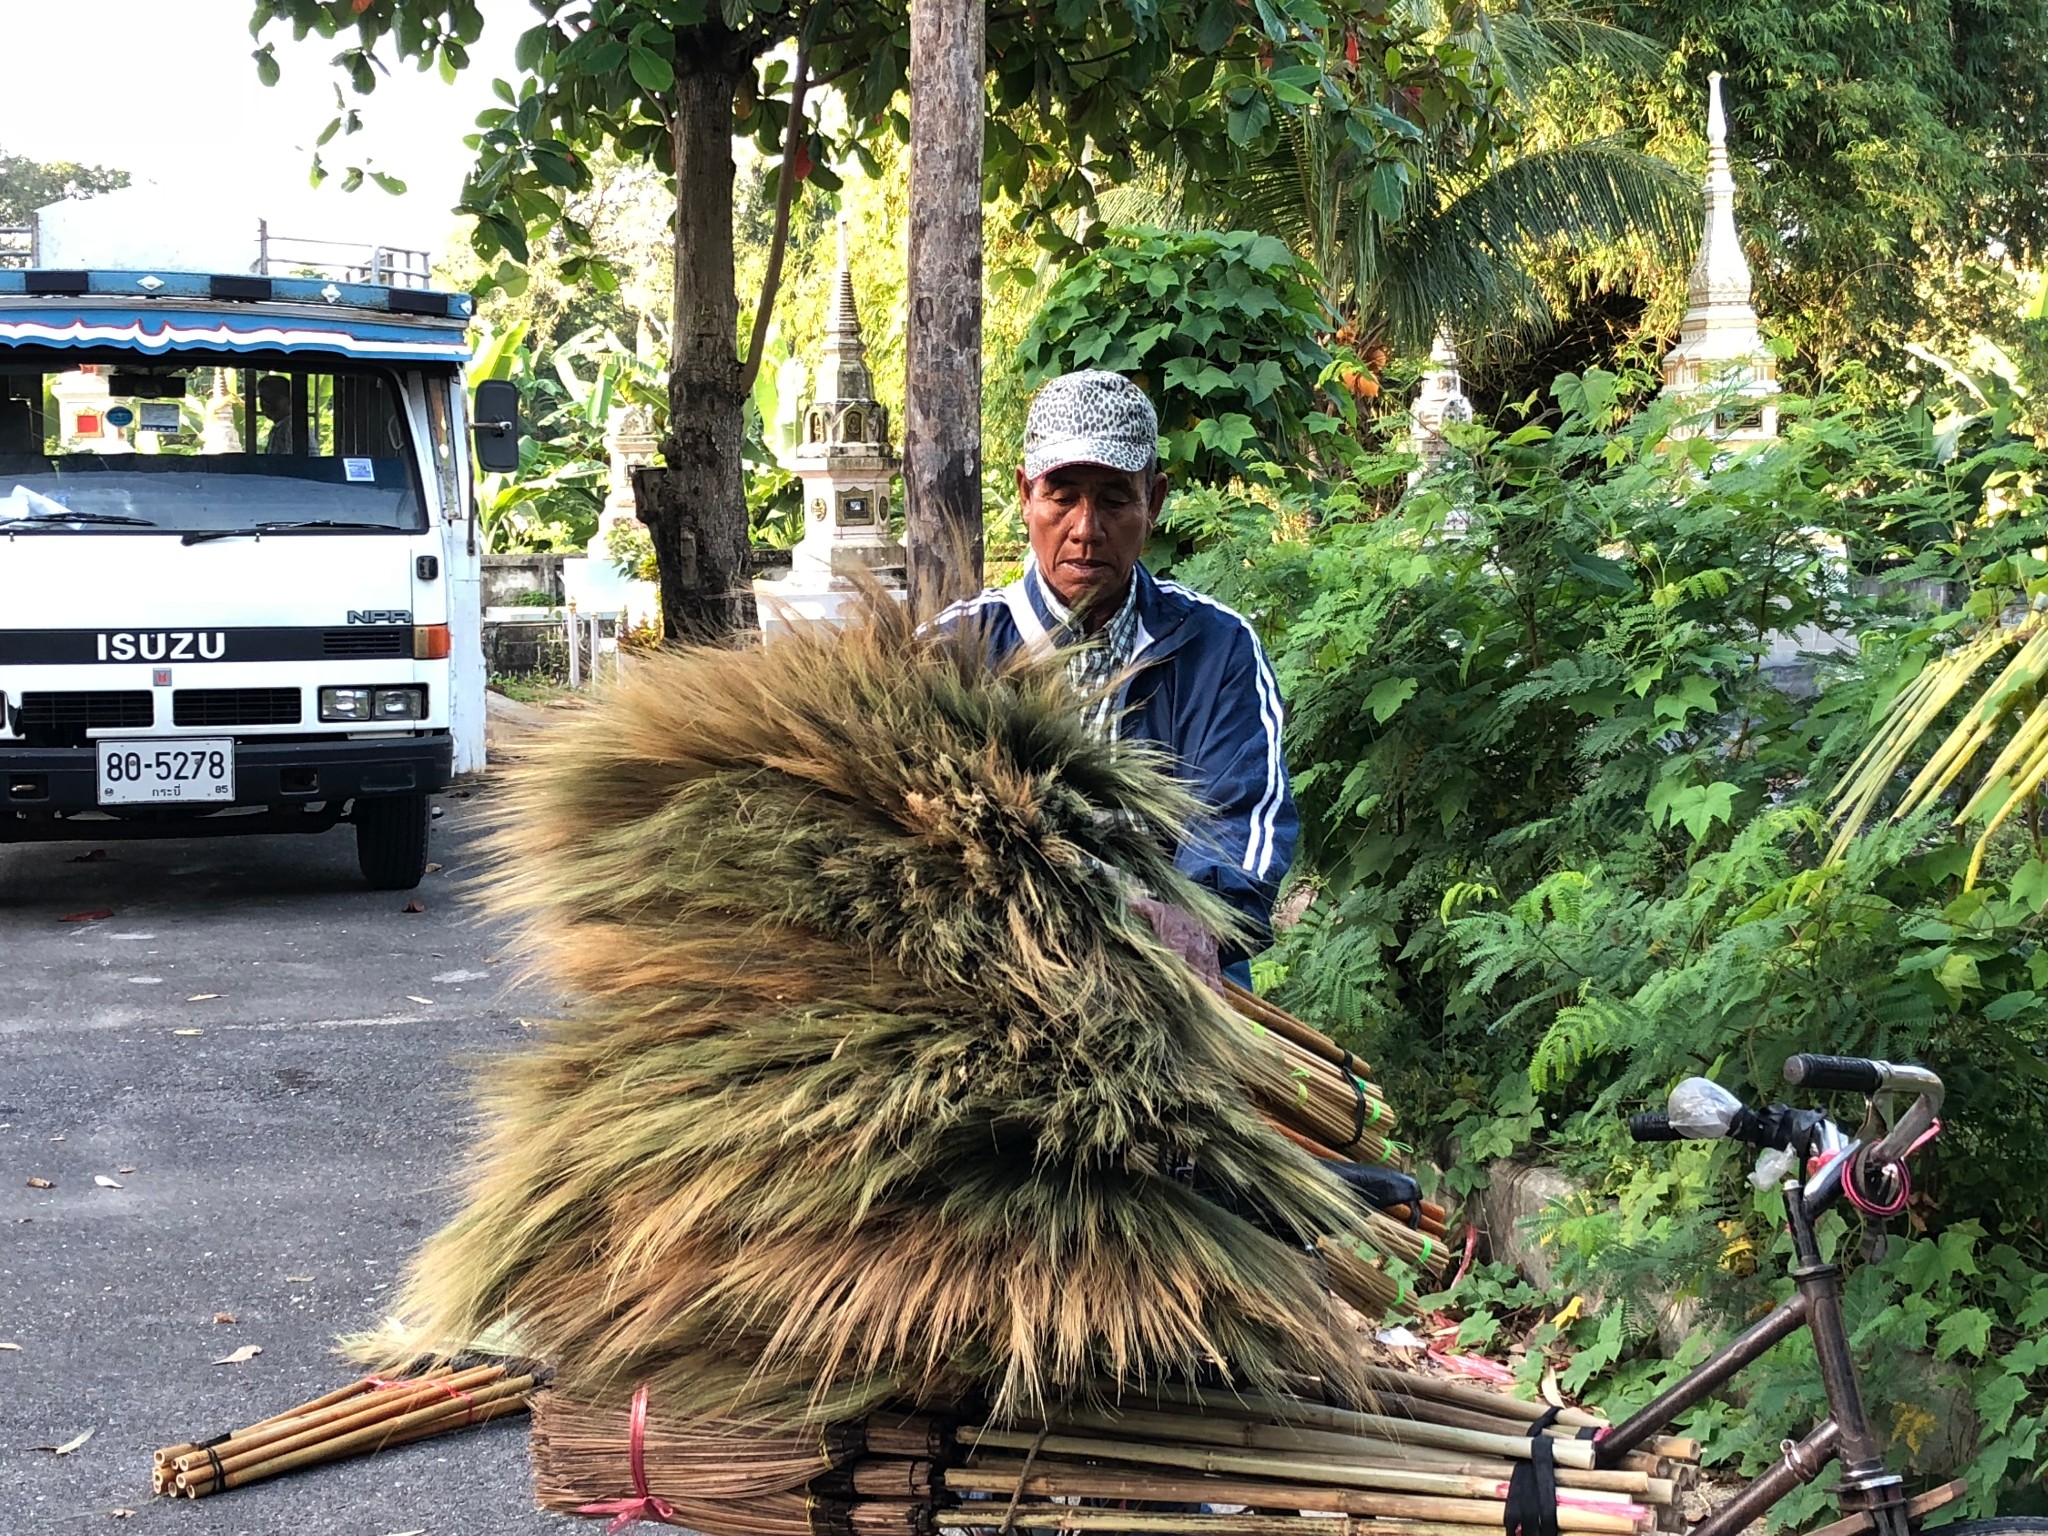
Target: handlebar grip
(1834, 1074)
(1653, 1126)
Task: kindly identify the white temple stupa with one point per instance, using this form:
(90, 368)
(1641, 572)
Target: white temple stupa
(1721, 359)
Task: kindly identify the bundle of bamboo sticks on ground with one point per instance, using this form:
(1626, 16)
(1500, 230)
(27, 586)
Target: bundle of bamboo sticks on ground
(1434, 1458)
(368, 1415)
(1431, 1457)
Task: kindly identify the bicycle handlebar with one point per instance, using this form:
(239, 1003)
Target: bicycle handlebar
(1834, 1074)
(1653, 1126)
(1853, 1074)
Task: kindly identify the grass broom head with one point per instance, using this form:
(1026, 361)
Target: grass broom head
(874, 1087)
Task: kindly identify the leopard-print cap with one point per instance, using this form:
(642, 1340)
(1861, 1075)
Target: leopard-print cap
(1090, 417)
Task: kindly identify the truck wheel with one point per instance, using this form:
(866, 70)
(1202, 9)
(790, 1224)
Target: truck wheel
(391, 840)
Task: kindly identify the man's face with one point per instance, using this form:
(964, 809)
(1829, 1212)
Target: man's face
(1088, 524)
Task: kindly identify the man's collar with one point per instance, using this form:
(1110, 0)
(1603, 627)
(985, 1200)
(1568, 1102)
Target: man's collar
(1057, 617)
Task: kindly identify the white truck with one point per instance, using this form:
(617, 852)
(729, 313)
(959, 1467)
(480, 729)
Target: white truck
(238, 562)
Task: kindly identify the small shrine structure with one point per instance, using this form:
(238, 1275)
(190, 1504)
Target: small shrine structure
(845, 461)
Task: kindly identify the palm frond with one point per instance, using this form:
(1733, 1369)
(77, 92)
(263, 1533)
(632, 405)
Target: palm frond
(1531, 46)
(1460, 260)
(2009, 706)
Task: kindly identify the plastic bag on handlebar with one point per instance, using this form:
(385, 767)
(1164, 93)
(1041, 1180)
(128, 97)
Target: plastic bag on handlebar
(1773, 1166)
(1702, 1110)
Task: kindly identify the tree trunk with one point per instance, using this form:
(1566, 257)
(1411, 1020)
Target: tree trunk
(696, 509)
(942, 390)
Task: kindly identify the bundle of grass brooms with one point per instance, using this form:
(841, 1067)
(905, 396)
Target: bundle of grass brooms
(877, 1104)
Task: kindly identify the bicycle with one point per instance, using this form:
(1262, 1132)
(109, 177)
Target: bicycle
(1828, 1167)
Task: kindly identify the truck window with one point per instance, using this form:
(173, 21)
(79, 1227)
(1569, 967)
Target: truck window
(173, 445)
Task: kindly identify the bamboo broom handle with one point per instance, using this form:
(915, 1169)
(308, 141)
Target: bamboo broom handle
(1250, 1463)
(1065, 1517)
(171, 1453)
(402, 1407)
(1464, 1418)
(1270, 1437)
(1060, 1481)
(1415, 1384)
(492, 1402)
(1567, 1453)
(362, 1442)
(1243, 1463)
(364, 1407)
(1621, 1481)
(1068, 1517)
(1251, 1006)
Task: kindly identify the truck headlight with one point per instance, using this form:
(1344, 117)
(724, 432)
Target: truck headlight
(401, 704)
(345, 703)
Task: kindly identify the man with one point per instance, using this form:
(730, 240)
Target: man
(274, 400)
(1194, 677)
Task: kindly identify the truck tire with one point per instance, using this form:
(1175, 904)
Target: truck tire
(391, 840)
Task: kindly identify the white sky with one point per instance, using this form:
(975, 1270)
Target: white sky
(166, 90)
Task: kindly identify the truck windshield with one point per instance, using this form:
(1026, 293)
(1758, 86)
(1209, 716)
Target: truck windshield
(167, 445)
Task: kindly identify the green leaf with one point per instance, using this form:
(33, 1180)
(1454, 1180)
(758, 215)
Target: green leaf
(2029, 885)
(1384, 193)
(532, 45)
(266, 64)
(1696, 807)
(1693, 693)
(390, 184)
(1597, 569)
(1957, 976)
(1997, 1398)
(2012, 1005)
(1966, 1331)
(650, 71)
(1388, 695)
(1213, 28)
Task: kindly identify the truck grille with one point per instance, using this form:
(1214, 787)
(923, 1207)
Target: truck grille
(235, 706)
(367, 642)
(62, 719)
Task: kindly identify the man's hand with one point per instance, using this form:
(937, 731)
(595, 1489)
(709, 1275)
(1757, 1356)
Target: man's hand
(1179, 932)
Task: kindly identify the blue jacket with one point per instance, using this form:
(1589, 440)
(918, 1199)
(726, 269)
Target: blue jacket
(1201, 687)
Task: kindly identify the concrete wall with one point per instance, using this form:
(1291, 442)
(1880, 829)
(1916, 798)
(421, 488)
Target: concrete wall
(508, 578)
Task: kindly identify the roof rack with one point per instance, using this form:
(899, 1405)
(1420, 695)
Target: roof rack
(347, 261)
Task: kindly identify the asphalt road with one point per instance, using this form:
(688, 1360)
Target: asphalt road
(281, 1148)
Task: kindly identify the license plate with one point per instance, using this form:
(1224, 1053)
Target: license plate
(166, 772)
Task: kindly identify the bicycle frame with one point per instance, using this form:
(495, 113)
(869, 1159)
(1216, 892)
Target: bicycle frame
(1868, 1486)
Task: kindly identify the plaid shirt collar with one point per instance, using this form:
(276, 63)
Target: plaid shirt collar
(1096, 664)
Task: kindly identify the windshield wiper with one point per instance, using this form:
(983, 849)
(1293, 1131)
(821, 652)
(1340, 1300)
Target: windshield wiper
(283, 525)
(120, 519)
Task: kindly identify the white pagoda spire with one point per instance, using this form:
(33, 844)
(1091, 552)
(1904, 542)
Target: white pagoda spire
(1720, 347)
(1440, 400)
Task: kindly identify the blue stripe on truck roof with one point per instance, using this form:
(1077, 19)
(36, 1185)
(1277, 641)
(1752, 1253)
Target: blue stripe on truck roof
(158, 312)
(56, 323)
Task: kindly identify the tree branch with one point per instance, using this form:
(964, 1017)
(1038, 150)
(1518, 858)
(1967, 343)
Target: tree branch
(785, 198)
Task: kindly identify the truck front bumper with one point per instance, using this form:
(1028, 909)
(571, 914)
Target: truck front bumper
(47, 792)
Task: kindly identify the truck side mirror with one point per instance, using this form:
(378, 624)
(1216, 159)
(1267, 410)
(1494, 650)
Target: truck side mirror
(496, 425)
